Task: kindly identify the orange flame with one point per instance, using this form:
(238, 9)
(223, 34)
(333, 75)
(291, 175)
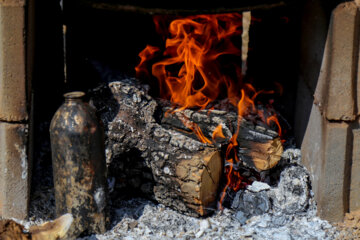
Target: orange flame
(191, 74)
(195, 128)
(217, 133)
(194, 48)
(243, 105)
(274, 119)
(145, 55)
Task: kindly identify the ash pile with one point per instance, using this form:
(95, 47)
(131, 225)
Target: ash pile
(261, 211)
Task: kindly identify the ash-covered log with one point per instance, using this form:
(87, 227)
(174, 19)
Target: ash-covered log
(186, 172)
(260, 147)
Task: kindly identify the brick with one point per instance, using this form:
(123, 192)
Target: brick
(14, 171)
(311, 148)
(12, 3)
(355, 170)
(326, 153)
(357, 2)
(333, 189)
(13, 102)
(335, 90)
(330, 147)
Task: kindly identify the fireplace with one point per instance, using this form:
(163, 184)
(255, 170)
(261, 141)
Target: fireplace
(286, 54)
(285, 43)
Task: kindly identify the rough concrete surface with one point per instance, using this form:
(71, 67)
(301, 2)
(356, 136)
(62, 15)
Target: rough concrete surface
(329, 147)
(14, 170)
(355, 170)
(13, 106)
(311, 147)
(12, 3)
(335, 89)
(326, 150)
(333, 199)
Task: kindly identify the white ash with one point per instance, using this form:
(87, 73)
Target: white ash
(283, 211)
(287, 211)
(258, 186)
(141, 219)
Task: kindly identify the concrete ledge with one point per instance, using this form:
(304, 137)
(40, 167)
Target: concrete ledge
(330, 147)
(333, 199)
(13, 102)
(335, 91)
(14, 171)
(12, 3)
(326, 152)
(311, 149)
(355, 172)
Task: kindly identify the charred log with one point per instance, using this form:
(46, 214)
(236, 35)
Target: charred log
(259, 147)
(186, 172)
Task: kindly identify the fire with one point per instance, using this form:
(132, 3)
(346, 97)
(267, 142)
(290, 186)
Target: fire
(234, 179)
(217, 133)
(195, 128)
(194, 49)
(274, 119)
(195, 70)
(145, 55)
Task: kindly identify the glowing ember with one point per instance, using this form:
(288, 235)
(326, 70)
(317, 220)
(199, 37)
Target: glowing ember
(192, 74)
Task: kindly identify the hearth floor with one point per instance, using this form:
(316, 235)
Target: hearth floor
(140, 218)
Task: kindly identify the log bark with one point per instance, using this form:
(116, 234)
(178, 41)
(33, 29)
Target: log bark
(185, 172)
(260, 148)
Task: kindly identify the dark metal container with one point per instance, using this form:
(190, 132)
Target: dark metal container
(78, 158)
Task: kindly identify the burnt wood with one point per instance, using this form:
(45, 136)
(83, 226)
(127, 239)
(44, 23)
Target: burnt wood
(185, 172)
(260, 147)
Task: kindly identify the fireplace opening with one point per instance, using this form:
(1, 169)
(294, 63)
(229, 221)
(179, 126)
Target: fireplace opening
(115, 40)
(104, 40)
(287, 40)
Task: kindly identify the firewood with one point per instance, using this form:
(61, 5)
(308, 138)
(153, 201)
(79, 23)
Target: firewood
(185, 171)
(260, 147)
(10, 230)
(52, 230)
(197, 179)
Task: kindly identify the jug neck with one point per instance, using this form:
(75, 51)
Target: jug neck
(74, 96)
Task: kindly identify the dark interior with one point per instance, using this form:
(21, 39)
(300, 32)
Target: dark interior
(115, 39)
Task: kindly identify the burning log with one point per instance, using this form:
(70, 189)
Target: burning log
(191, 74)
(260, 147)
(186, 172)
